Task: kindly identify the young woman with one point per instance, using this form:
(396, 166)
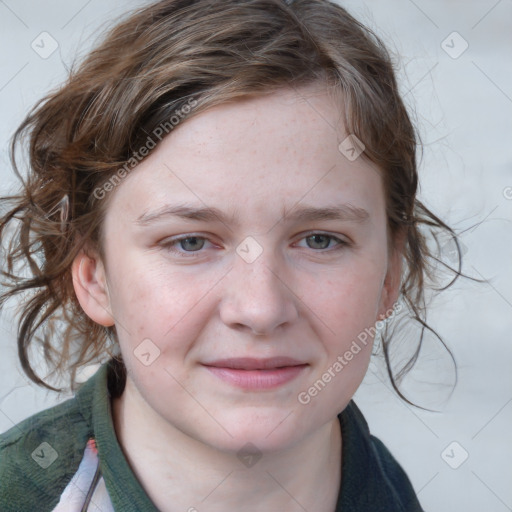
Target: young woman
(220, 207)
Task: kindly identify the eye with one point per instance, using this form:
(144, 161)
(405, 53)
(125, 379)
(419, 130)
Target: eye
(191, 243)
(185, 245)
(323, 241)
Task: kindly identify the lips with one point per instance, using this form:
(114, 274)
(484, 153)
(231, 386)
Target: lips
(249, 363)
(252, 374)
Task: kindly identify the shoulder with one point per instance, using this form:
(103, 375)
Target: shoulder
(372, 477)
(395, 478)
(39, 455)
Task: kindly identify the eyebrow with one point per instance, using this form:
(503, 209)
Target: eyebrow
(345, 212)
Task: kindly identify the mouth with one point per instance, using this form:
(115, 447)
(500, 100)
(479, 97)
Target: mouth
(253, 374)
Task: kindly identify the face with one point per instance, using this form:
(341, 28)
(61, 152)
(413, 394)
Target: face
(243, 258)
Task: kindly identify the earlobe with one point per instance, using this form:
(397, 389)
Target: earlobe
(392, 282)
(90, 284)
(390, 293)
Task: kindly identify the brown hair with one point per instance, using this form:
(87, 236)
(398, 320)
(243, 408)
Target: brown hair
(148, 68)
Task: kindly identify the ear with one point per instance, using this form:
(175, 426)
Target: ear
(90, 284)
(393, 278)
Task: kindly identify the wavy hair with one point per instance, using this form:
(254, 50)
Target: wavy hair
(148, 68)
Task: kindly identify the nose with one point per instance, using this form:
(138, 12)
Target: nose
(257, 299)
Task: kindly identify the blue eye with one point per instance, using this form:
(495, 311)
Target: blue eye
(185, 246)
(319, 241)
(192, 245)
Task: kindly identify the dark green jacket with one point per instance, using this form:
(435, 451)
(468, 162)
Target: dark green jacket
(56, 452)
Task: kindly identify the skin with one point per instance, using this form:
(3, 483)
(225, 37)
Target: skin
(303, 297)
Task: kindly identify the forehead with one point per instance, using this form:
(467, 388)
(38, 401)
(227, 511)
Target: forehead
(255, 156)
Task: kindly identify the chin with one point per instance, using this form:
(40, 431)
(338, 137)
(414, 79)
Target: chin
(268, 431)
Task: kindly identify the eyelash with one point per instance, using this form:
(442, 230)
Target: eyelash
(171, 243)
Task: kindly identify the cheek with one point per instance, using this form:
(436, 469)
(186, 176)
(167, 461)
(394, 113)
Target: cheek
(346, 299)
(149, 301)
(346, 308)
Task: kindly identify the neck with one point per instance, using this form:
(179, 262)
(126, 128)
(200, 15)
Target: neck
(181, 473)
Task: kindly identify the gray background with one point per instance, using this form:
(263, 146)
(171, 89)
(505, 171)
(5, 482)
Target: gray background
(463, 107)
